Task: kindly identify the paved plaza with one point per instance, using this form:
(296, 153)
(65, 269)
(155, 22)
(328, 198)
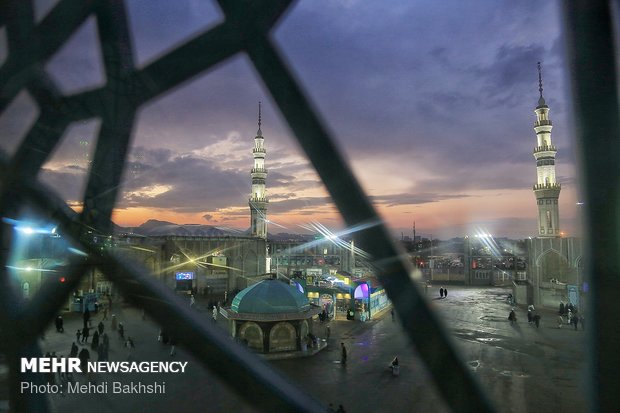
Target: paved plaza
(523, 369)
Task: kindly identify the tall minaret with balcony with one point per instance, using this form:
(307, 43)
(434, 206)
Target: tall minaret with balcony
(258, 199)
(546, 189)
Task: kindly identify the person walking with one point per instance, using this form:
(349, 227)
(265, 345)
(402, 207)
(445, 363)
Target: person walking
(100, 327)
(78, 334)
(322, 316)
(214, 314)
(192, 300)
(512, 317)
(105, 347)
(66, 376)
(60, 324)
(74, 350)
(101, 352)
(561, 311)
(84, 357)
(85, 334)
(86, 317)
(51, 375)
(575, 321)
(441, 292)
(95, 342)
(173, 344)
(560, 321)
(343, 354)
(121, 331)
(129, 344)
(445, 293)
(62, 377)
(536, 319)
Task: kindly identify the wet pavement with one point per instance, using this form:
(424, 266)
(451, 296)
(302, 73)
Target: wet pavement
(522, 368)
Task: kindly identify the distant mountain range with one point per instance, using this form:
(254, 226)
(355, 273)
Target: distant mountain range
(154, 228)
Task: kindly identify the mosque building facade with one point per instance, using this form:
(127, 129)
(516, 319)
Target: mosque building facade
(555, 265)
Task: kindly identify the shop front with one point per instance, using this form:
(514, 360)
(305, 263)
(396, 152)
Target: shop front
(184, 281)
(335, 301)
(343, 304)
(369, 299)
(361, 296)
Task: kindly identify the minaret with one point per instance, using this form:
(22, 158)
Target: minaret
(258, 198)
(547, 190)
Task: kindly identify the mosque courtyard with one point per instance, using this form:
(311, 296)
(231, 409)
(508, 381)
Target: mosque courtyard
(522, 368)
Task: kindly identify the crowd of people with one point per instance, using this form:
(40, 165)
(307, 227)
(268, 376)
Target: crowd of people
(568, 314)
(99, 343)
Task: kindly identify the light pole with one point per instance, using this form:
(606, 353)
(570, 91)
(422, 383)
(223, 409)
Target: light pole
(430, 261)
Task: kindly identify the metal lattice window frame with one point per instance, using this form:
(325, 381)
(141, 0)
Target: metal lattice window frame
(246, 30)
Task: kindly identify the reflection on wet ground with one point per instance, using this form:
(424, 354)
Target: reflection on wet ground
(534, 349)
(509, 361)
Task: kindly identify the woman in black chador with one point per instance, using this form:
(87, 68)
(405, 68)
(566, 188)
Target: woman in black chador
(95, 343)
(60, 324)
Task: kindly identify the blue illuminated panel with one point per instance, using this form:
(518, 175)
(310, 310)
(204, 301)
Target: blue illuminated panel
(188, 275)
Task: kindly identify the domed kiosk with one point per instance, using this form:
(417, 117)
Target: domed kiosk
(271, 316)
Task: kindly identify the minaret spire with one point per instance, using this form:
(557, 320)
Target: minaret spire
(258, 198)
(546, 189)
(541, 99)
(259, 133)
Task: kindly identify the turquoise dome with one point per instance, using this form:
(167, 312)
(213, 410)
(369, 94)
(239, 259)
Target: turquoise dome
(270, 297)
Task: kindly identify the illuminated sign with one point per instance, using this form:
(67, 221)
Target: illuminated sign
(188, 275)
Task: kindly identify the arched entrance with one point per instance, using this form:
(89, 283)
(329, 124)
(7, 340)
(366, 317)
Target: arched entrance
(327, 303)
(282, 337)
(252, 334)
(553, 267)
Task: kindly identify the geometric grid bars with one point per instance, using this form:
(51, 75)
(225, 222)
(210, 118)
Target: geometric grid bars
(246, 29)
(594, 73)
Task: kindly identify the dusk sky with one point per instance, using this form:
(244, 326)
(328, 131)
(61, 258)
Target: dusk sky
(431, 102)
